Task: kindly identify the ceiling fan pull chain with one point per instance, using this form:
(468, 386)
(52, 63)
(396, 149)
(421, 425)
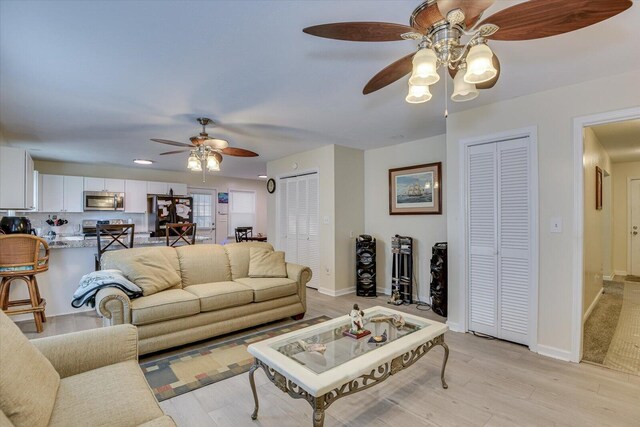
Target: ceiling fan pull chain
(446, 96)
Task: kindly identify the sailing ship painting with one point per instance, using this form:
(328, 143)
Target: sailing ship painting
(414, 190)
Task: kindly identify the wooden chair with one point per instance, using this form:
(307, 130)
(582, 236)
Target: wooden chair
(185, 232)
(109, 234)
(243, 233)
(21, 259)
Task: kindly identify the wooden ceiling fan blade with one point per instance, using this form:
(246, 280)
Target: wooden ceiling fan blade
(472, 9)
(174, 152)
(425, 15)
(390, 74)
(360, 31)
(536, 19)
(238, 152)
(168, 142)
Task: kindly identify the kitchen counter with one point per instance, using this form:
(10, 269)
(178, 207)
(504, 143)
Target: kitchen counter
(92, 242)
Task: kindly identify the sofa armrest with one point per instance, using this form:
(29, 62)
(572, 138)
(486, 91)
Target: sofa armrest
(164, 421)
(83, 351)
(301, 275)
(114, 306)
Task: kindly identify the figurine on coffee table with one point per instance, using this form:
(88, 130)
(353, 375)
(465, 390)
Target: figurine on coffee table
(357, 323)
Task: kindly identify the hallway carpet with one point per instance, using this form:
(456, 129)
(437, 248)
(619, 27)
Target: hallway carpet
(624, 351)
(601, 324)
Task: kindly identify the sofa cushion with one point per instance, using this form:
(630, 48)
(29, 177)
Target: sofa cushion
(268, 288)
(114, 395)
(165, 305)
(153, 269)
(219, 295)
(28, 381)
(266, 263)
(203, 264)
(239, 256)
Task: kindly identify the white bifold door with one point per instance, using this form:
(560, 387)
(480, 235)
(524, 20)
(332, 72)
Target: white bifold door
(298, 222)
(499, 227)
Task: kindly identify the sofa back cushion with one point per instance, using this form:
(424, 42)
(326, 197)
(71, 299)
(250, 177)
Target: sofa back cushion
(203, 264)
(266, 263)
(154, 269)
(239, 256)
(28, 381)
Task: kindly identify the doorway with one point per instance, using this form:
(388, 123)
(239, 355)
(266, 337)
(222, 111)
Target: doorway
(204, 211)
(611, 245)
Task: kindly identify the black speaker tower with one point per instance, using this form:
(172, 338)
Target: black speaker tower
(365, 266)
(439, 279)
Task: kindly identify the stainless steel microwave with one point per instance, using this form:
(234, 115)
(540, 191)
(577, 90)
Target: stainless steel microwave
(103, 201)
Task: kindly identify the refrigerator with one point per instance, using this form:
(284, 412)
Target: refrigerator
(167, 209)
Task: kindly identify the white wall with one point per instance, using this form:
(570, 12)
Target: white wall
(594, 220)
(322, 160)
(621, 173)
(552, 112)
(221, 183)
(425, 229)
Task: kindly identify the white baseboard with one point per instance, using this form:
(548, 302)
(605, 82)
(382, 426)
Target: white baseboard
(554, 352)
(592, 306)
(455, 327)
(383, 291)
(608, 277)
(620, 273)
(338, 293)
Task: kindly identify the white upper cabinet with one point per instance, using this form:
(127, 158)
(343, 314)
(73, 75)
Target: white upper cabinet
(61, 193)
(104, 184)
(154, 187)
(16, 179)
(178, 189)
(135, 196)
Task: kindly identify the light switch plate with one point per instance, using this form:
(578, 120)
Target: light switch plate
(325, 220)
(556, 225)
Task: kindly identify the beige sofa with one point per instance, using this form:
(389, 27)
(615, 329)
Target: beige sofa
(213, 295)
(88, 378)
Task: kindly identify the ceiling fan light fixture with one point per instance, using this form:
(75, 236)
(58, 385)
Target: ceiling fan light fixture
(193, 163)
(463, 91)
(425, 68)
(418, 94)
(213, 165)
(480, 67)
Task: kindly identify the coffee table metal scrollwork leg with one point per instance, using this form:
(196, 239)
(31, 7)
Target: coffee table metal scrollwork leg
(253, 389)
(444, 364)
(318, 411)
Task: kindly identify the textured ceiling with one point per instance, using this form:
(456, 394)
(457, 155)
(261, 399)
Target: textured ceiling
(621, 140)
(92, 81)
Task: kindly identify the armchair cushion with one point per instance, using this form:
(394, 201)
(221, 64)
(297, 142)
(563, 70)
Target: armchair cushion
(114, 395)
(83, 351)
(152, 269)
(28, 381)
(266, 263)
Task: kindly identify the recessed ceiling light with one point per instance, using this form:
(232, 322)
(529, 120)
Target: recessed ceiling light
(262, 176)
(143, 162)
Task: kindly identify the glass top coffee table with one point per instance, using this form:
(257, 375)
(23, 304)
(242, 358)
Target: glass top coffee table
(344, 365)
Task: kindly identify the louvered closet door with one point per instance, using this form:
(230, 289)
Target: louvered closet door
(482, 238)
(291, 212)
(514, 240)
(313, 213)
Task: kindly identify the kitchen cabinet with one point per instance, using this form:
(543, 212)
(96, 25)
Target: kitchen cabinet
(16, 179)
(135, 196)
(178, 189)
(154, 187)
(104, 184)
(61, 193)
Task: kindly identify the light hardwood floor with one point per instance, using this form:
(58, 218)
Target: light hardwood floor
(491, 383)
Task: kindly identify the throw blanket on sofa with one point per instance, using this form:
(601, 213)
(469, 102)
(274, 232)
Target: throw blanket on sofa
(91, 283)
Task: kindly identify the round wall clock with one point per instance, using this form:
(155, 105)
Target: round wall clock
(271, 185)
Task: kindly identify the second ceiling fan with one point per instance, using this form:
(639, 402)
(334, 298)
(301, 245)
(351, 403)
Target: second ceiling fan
(440, 25)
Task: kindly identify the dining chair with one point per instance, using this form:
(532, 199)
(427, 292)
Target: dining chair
(183, 232)
(117, 235)
(242, 233)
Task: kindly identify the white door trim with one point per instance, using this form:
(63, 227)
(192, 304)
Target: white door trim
(579, 123)
(532, 133)
(629, 179)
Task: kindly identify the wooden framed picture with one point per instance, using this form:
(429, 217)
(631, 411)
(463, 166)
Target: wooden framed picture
(598, 188)
(416, 190)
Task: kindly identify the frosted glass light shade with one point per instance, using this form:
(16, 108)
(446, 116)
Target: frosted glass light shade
(480, 65)
(212, 164)
(193, 163)
(425, 68)
(418, 94)
(463, 91)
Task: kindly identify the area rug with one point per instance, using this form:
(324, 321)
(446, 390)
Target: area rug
(624, 351)
(188, 371)
(601, 324)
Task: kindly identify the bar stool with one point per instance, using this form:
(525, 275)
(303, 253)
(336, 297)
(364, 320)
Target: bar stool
(242, 233)
(185, 232)
(20, 259)
(122, 234)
